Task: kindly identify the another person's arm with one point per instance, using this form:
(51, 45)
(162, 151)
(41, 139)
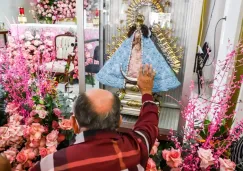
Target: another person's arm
(147, 124)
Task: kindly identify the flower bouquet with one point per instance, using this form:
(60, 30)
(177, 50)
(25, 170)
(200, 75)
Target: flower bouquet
(51, 11)
(37, 124)
(208, 134)
(37, 47)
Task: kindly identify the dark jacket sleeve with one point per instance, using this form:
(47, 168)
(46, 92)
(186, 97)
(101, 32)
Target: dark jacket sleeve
(147, 124)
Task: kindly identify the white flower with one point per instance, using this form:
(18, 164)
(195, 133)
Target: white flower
(47, 34)
(27, 44)
(37, 36)
(37, 43)
(42, 47)
(206, 157)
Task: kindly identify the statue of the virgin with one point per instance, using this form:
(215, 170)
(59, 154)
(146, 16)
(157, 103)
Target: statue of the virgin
(136, 50)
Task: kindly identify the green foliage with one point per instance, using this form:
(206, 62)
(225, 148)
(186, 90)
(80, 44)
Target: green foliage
(64, 104)
(89, 79)
(222, 131)
(3, 116)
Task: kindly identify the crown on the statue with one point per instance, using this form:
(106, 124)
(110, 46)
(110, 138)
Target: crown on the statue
(139, 21)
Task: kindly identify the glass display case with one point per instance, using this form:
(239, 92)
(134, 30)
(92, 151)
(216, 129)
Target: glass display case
(168, 22)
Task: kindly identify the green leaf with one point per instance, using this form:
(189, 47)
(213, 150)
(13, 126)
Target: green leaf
(203, 134)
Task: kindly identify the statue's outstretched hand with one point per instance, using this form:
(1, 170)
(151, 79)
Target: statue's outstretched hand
(146, 79)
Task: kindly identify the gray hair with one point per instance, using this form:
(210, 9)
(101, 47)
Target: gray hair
(87, 117)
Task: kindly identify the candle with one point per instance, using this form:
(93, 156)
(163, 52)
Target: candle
(21, 11)
(97, 13)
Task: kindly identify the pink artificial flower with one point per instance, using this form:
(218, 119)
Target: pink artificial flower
(21, 157)
(3, 130)
(155, 148)
(46, 130)
(172, 157)
(54, 18)
(12, 108)
(55, 124)
(35, 143)
(36, 42)
(30, 153)
(89, 60)
(15, 119)
(88, 55)
(42, 47)
(226, 165)
(57, 112)
(89, 46)
(36, 131)
(51, 138)
(11, 154)
(33, 113)
(65, 124)
(206, 157)
(42, 113)
(37, 36)
(43, 152)
(151, 166)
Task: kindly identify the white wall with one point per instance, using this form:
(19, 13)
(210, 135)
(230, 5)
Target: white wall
(218, 13)
(9, 9)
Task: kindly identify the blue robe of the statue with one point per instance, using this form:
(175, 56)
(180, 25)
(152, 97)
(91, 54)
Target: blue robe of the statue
(111, 75)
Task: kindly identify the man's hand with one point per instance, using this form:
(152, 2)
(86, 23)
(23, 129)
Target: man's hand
(146, 79)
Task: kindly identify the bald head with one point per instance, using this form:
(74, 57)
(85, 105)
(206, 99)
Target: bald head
(101, 100)
(97, 109)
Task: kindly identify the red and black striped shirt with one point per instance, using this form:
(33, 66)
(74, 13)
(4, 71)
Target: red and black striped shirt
(109, 150)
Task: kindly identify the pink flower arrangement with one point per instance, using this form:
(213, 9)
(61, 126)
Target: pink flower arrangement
(54, 10)
(32, 130)
(32, 44)
(207, 142)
